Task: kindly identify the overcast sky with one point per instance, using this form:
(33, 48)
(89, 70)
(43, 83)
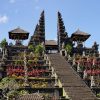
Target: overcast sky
(82, 14)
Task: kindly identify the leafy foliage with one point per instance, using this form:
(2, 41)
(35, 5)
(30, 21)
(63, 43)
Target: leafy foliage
(68, 48)
(19, 62)
(98, 95)
(31, 47)
(9, 83)
(9, 86)
(39, 49)
(3, 43)
(12, 94)
(23, 92)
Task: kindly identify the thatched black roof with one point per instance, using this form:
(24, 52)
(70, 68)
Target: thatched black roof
(18, 33)
(80, 36)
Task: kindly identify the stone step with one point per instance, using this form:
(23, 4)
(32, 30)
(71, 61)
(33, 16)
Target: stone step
(74, 86)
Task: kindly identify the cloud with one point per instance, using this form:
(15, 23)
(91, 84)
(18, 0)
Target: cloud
(12, 1)
(3, 19)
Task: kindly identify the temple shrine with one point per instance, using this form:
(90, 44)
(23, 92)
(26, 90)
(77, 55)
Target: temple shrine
(47, 69)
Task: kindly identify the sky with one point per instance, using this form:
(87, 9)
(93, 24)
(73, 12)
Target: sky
(76, 14)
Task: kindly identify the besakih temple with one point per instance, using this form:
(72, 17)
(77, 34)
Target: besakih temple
(55, 74)
(78, 37)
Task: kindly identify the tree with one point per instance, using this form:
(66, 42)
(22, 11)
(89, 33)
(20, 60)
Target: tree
(68, 48)
(98, 95)
(9, 87)
(39, 49)
(12, 94)
(9, 82)
(31, 47)
(3, 43)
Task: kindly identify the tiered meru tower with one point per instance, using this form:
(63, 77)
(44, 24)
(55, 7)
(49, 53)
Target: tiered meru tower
(62, 35)
(39, 33)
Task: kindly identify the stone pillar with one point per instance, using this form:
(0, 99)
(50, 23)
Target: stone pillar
(61, 52)
(52, 71)
(1, 70)
(94, 61)
(3, 53)
(65, 53)
(45, 57)
(49, 63)
(92, 81)
(83, 53)
(85, 74)
(73, 64)
(25, 69)
(78, 67)
(69, 58)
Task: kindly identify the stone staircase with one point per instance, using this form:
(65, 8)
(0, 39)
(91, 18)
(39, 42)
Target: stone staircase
(74, 86)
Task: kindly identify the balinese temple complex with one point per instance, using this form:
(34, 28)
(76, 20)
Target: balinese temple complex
(47, 69)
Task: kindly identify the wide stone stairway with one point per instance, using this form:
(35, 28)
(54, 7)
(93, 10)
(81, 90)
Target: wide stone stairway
(74, 86)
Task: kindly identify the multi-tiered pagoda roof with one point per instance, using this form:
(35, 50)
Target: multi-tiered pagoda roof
(39, 33)
(80, 36)
(61, 34)
(18, 34)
